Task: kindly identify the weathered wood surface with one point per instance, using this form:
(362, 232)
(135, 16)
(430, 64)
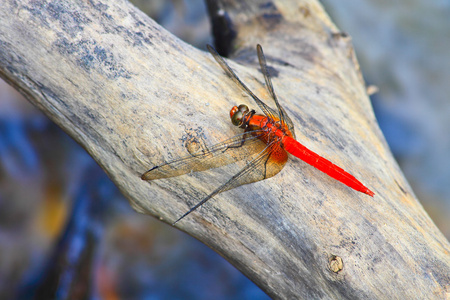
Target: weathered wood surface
(134, 96)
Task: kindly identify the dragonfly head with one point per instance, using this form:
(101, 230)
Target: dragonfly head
(238, 114)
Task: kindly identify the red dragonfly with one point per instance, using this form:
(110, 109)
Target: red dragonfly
(266, 138)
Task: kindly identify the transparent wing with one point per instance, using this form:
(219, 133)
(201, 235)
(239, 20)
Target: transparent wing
(239, 147)
(267, 110)
(283, 117)
(261, 167)
(281, 114)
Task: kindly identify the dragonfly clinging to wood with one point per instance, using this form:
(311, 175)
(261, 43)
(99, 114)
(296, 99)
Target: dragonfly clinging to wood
(268, 138)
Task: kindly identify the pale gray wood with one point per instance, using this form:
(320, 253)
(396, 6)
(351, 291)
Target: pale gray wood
(134, 96)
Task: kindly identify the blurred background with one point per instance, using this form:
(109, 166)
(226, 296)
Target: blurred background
(65, 230)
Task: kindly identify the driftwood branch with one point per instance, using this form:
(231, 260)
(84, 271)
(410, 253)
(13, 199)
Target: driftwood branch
(135, 96)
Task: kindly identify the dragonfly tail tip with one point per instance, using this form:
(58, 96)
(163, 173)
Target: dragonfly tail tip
(370, 193)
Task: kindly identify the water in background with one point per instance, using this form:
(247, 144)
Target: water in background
(66, 230)
(403, 48)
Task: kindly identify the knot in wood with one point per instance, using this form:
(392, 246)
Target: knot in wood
(335, 263)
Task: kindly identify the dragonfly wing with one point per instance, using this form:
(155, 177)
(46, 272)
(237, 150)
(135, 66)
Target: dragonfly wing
(239, 147)
(282, 115)
(261, 167)
(267, 111)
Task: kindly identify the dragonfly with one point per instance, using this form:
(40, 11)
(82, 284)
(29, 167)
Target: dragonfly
(265, 143)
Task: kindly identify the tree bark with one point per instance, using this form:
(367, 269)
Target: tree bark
(135, 96)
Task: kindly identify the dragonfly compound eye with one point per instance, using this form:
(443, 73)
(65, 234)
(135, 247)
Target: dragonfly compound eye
(236, 119)
(243, 108)
(238, 113)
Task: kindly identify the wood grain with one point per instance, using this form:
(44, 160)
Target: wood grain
(135, 96)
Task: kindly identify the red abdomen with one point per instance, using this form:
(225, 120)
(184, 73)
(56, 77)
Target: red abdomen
(295, 148)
